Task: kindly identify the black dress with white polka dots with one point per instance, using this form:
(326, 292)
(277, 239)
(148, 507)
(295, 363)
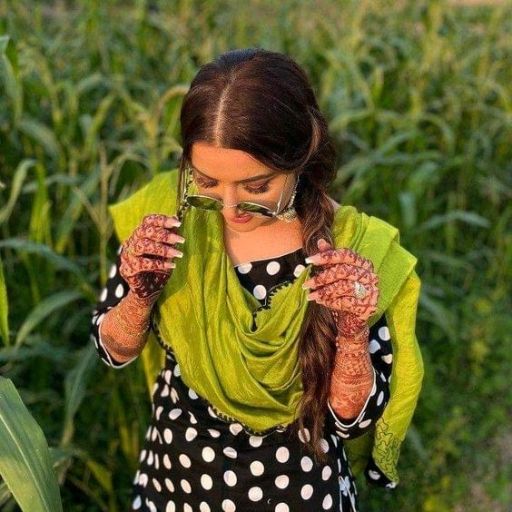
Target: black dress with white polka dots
(194, 460)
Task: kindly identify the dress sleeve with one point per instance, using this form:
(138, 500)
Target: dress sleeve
(115, 289)
(381, 357)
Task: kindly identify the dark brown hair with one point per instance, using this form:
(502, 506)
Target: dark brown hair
(261, 102)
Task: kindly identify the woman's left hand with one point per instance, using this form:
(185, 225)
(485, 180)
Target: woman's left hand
(334, 286)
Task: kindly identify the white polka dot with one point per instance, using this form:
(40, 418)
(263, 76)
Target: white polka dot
(282, 481)
(235, 428)
(208, 454)
(257, 468)
(151, 505)
(159, 410)
(192, 394)
(388, 358)
(174, 413)
(306, 492)
(364, 423)
(165, 391)
(113, 270)
(230, 452)
(156, 484)
(143, 479)
(384, 333)
(167, 376)
(167, 461)
(192, 418)
(373, 474)
(255, 441)
(327, 503)
(298, 270)
(204, 507)
(187, 507)
(185, 460)
(306, 436)
(255, 493)
(100, 318)
(213, 432)
(282, 454)
(119, 291)
(391, 485)
(169, 485)
(228, 506)
(171, 507)
(168, 435)
(326, 472)
(259, 291)
(136, 503)
(206, 481)
(174, 395)
(142, 455)
(190, 434)
(211, 412)
(273, 267)
(282, 507)
(103, 295)
(380, 398)
(150, 458)
(177, 370)
(230, 478)
(185, 485)
(244, 268)
(157, 463)
(374, 346)
(324, 445)
(306, 463)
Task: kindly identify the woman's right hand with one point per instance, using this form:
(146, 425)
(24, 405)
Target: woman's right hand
(146, 256)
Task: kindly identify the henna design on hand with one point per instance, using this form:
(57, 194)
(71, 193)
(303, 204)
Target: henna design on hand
(146, 256)
(333, 286)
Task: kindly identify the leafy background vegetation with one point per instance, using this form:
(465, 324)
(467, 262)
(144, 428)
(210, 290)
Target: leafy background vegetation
(418, 96)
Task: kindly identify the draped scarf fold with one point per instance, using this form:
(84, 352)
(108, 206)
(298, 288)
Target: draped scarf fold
(242, 356)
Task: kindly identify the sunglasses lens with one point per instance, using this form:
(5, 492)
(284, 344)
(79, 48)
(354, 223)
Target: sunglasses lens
(254, 209)
(205, 203)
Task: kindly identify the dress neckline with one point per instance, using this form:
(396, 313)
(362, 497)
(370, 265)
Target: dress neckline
(273, 258)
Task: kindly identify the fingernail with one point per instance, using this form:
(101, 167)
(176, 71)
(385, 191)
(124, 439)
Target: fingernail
(305, 286)
(179, 254)
(309, 259)
(181, 240)
(309, 298)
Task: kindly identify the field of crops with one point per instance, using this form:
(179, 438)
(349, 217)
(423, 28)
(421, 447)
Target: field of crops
(418, 95)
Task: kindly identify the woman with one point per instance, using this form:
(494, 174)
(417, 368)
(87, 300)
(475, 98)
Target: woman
(278, 335)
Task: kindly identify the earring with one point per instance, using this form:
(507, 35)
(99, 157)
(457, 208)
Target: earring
(289, 213)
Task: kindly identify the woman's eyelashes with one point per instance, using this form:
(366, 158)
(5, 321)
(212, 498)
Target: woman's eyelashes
(253, 190)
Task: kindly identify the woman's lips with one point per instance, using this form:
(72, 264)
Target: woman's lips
(243, 218)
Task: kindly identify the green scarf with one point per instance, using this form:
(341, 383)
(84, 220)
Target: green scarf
(241, 356)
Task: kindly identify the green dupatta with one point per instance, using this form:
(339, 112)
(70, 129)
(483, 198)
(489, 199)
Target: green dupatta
(241, 356)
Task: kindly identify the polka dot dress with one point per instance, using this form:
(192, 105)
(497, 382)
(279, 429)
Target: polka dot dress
(194, 460)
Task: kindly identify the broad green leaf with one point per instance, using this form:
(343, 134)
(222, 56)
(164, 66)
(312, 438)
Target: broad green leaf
(4, 307)
(43, 310)
(60, 262)
(75, 387)
(19, 177)
(26, 463)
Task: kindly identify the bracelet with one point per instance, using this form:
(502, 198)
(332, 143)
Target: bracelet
(128, 327)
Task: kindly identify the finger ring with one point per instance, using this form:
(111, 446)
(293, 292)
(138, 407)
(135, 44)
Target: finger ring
(360, 290)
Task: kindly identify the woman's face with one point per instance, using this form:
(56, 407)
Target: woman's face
(232, 176)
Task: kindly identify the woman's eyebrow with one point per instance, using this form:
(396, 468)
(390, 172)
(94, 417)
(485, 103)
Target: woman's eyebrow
(246, 180)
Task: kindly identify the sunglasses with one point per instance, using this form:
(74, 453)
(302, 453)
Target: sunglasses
(204, 202)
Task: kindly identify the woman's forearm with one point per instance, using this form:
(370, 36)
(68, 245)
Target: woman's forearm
(352, 377)
(124, 329)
